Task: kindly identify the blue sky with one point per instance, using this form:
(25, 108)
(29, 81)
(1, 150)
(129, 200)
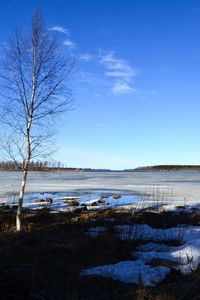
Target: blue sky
(137, 80)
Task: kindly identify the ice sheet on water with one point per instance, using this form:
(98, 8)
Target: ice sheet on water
(180, 186)
(61, 201)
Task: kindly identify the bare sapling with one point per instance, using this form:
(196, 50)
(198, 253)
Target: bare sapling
(34, 91)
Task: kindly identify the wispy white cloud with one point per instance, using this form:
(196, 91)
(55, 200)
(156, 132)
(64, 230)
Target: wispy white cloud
(69, 43)
(121, 88)
(85, 56)
(116, 67)
(126, 75)
(120, 70)
(60, 29)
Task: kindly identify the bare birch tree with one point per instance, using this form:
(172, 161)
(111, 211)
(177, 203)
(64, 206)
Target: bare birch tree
(34, 90)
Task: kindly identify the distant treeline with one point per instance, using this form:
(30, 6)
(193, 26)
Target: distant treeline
(38, 166)
(170, 167)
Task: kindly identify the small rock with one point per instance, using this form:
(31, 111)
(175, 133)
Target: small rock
(116, 196)
(94, 203)
(75, 219)
(50, 200)
(72, 202)
(80, 209)
(101, 201)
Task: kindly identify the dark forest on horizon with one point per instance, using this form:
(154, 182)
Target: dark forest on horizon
(49, 166)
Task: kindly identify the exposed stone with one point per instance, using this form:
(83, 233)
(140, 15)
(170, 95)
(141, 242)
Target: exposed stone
(116, 196)
(94, 203)
(50, 200)
(101, 201)
(80, 209)
(72, 202)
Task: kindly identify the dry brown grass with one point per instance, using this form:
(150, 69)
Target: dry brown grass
(44, 261)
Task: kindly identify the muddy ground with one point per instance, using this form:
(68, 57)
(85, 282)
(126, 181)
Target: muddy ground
(45, 260)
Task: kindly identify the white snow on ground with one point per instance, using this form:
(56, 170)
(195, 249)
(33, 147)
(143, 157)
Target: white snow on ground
(184, 258)
(130, 272)
(95, 231)
(145, 232)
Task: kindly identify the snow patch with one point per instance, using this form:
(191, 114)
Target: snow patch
(145, 232)
(95, 231)
(130, 272)
(186, 256)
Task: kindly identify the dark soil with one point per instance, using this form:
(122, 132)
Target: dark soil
(45, 260)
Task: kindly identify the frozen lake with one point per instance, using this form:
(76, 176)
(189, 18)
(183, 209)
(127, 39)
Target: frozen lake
(182, 186)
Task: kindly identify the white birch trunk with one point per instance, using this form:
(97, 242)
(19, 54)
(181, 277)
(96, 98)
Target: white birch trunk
(24, 176)
(28, 146)
(20, 201)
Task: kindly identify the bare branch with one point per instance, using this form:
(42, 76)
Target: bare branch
(34, 88)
